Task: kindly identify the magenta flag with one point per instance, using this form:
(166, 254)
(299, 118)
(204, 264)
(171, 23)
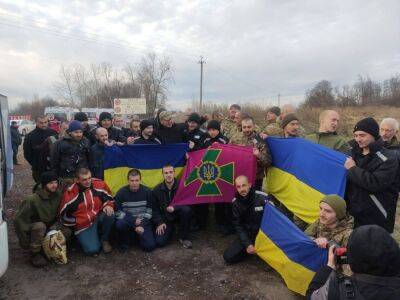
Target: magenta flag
(210, 173)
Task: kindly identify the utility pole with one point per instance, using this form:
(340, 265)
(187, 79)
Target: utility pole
(201, 62)
(279, 100)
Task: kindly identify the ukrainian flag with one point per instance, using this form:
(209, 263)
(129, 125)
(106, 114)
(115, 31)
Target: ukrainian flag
(302, 173)
(288, 250)
(149, 159)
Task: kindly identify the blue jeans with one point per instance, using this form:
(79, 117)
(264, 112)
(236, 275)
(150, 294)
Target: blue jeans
(89, 238)
(126, 231)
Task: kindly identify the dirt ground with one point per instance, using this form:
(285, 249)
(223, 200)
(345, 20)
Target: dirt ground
(169, 273)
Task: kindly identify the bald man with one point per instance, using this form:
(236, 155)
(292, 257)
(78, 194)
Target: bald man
(327, 135)
(97, 153)
(248, 208)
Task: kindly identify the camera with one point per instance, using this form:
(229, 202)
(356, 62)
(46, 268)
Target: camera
(340, 252)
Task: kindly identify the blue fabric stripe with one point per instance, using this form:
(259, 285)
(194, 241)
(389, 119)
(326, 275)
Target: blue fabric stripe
(145, 157)
(291, 240)
(317, 166)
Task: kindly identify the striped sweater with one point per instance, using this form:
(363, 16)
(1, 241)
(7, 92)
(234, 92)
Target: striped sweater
(135, 204)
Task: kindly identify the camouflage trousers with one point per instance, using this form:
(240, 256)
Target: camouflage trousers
(39, 230)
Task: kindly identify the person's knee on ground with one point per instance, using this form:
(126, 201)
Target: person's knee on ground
(235, 253)
(38, 232)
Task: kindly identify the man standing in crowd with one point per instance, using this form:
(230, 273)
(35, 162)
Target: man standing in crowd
(290, 125)
(333, 225)
(165, 215)
(147, 136)
(249, 137)
(70, 153)
(327, 135)
(86, 207)
(97, 153)
(388, 130)
(36, 215)
(371, 191)
(134, 212)
(33, 145)
(193, 134)
(83, 118)
(272, 128)
(114, 133)
(134, 129)
(248, 209)
(16, 140)
(169, 132)
(229, 122)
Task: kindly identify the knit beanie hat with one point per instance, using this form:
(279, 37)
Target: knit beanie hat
(368, 125)
(105, 115)
(145, 123)
(275, 109)
(214, 124)
(74, 125)
(194, 117)
(48, 177)
(338, 205)
(81, 116)
(287, 119)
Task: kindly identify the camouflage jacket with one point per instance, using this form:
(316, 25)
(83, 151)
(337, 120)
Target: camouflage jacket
(273, 129)
(226, 126)
(340, 234)
(254, 140)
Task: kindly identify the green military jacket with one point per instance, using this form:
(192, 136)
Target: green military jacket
(331, 140)
(273, 129)
(340, 234)
(227, 125)
(38, 207)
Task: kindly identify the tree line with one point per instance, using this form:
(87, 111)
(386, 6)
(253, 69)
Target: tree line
(364, 91)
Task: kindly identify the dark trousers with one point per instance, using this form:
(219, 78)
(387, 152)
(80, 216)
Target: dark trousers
(235, 253)
(183, 215)
(15, 153)
(223, 214)
(201, 214)
(127, 234)
(89, 238)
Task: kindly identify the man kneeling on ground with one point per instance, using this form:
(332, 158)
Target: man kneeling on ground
(36, 215)
(87, 205)
(134, 213)
(248, 209)
(165, 215)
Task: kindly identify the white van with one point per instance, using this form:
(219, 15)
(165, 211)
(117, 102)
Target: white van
(6, 178)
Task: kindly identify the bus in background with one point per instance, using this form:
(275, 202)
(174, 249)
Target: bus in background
(58, 114)
(93, 117)
(6, 178)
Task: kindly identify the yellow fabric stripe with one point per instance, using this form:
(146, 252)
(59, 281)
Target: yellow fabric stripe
(116, 177)
(296, 276)
(297, 196)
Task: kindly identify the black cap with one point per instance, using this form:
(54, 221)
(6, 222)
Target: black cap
(146, 123)
(194, 117)
(214, 124)
(47, 177)
(81, 117)
(368, 125)
(105, 115)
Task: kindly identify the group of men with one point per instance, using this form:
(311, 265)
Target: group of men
(86, 207)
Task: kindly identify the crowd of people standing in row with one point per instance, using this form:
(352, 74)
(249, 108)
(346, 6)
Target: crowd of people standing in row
(70, 194)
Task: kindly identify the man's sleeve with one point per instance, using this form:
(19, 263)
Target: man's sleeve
(55, 158)
(28, 150)
(265, 156)
(320, 284)
(240, 230)
(157, 217)
(22, 223)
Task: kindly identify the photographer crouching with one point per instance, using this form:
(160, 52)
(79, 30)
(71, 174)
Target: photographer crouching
(374, 258)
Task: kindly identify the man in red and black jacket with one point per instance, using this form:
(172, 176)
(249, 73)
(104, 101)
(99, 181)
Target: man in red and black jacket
(87, 205)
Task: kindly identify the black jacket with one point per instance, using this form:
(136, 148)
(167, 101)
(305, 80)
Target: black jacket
(153, 140)
(371, 191)
(33, 145)
(96, 161)
(208, 141)
(16, 139)
(171, 135)
(162, 197)
(67, 156)
(114, 134)
(87, 132)
(196, 136)
(247, 215)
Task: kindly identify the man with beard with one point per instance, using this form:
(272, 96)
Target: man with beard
(36, 215)
(147, 136)
(87, 128)
(248, 209)
(291, 126)
(114, 133)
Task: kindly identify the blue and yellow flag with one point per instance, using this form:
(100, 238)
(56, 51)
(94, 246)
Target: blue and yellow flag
(288, 250)
(302, 173)
(149, 159)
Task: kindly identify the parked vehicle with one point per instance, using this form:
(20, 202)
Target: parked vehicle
(58, 114)
(24, 126)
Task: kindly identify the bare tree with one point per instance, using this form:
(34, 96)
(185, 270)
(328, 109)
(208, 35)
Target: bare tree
(65, 87)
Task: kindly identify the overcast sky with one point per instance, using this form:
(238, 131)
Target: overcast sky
(253, 49)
